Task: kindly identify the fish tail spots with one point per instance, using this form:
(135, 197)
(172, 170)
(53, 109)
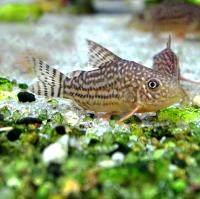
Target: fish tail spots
(50, 81)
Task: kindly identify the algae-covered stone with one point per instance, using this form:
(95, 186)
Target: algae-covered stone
(178, 185)
(54, 103)
(19, 12)
(70, 186)
(30, 138)
(43, 115)
(57, 118)
(5, 111)
(187, 114)
(44, 190)
(16, 115)
(5, 84)
(23, 86)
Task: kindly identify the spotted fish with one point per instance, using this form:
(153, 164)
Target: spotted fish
(114, 86)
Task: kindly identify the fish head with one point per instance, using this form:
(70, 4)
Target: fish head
(158, 91)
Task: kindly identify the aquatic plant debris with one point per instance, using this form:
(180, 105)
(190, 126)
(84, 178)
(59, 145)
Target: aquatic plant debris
(46, 153)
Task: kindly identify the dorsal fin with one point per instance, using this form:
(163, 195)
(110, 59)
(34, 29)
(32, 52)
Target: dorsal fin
(166, 61)
(100, 56)
(169, 42)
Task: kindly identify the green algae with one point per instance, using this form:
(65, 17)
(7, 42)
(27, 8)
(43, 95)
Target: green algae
(19, 12)
(5, 84)
(188, 114)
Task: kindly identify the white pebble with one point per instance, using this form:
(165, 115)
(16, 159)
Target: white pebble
(13, 182)
(118, 157)
(107, 163)
(72, 118)
(56, 152)
(196, 100)
(64, 140)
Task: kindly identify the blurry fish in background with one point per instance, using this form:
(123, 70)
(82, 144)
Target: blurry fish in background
(177, 18)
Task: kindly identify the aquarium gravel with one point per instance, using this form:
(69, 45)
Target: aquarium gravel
(50, 148)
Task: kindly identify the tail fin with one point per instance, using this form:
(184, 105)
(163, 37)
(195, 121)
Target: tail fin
(51, 81)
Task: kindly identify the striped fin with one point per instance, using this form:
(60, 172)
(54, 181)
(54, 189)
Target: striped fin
(45, 89)
(166, 62)
(100, 56)
(51, 81)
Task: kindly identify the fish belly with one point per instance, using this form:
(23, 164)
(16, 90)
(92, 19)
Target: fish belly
(108, 106)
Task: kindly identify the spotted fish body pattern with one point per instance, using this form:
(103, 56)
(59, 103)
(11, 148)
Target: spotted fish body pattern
(114, 86)
(108, 88)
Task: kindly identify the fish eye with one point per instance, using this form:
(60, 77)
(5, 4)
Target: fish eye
(153, 83)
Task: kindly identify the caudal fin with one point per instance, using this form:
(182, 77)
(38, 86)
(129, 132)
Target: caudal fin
(50, 81)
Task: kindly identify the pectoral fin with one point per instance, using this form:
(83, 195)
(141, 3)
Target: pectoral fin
(135, 110)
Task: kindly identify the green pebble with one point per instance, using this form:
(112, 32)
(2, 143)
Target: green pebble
(57, 118)
(158, 153)
(23, 86)
(5, 84)
(19, 12)
(5, 111)
(53, 102)
(178, 185)
(16, 115)
(43, 191)
(188, 114)
(43, 115)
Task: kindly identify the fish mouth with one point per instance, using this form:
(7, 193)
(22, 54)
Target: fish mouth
(180, 97)
(176, 95)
